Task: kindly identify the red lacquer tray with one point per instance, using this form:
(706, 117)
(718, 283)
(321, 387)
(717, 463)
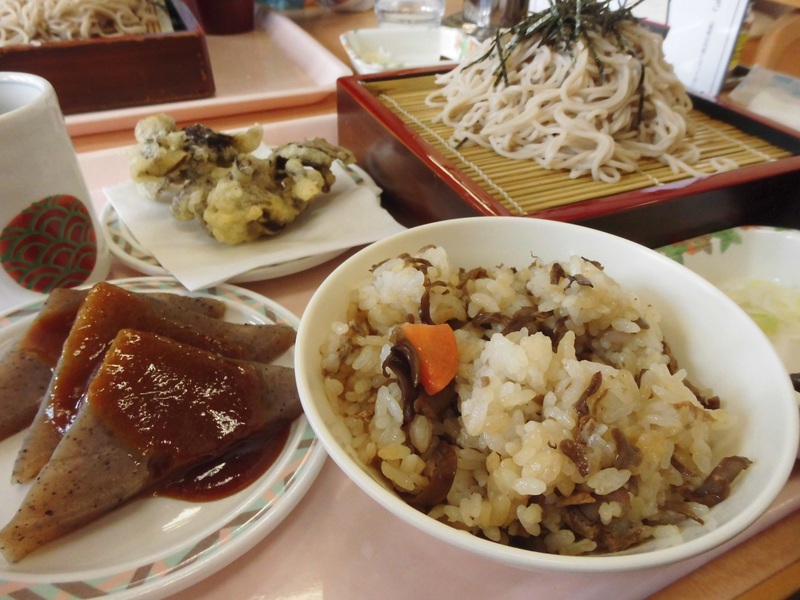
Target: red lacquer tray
(423, 183)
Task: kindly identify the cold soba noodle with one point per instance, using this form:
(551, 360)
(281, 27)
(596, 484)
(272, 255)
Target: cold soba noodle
(571, 102)
(31, 21)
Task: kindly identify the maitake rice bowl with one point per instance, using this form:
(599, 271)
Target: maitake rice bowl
(583, 426)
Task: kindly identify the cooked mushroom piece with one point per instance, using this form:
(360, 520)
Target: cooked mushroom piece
(404, 363)
(441, 471)
(717, 486)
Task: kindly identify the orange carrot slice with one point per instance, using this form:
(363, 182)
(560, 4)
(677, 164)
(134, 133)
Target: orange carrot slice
(437, 351)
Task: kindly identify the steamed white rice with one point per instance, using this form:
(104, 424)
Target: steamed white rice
(520, 397)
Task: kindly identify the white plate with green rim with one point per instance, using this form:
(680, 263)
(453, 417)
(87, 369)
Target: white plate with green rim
(756, 266)
(154, 546)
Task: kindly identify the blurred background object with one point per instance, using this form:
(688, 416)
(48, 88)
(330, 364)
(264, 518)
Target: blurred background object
(770, 94)
(283, 5)
(774, 37)
(409, 13)
(766, 77)
(481, 18)
(93, 74)
(494, 14)
(226, 17)
(347, 5)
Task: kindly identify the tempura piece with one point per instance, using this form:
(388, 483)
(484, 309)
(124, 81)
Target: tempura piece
(260, 197)
(215, 178)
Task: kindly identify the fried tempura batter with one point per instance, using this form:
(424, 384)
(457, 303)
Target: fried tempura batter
(213, 177)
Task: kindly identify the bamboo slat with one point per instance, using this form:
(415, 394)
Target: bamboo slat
(523, 187)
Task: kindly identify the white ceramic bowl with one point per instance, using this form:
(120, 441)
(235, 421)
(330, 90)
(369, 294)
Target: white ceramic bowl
(710, 336)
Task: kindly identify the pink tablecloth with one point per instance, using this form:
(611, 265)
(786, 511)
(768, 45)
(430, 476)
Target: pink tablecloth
(338, 544)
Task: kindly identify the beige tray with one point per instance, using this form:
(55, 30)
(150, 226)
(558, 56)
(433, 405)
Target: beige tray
(275, 66)
(334, 538)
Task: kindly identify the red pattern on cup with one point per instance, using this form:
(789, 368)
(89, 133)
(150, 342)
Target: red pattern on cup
(50, 244)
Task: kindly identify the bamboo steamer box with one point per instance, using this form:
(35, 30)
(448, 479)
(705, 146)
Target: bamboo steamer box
(132, 70)
(384, 120)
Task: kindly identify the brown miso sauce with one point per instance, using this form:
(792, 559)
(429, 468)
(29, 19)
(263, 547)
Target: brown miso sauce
(229, 474)
(106, 310)
(189, 405)
(49, 331)
(219, 399)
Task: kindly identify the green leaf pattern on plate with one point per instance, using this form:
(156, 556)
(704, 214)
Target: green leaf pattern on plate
(305, 457)
(703, 243)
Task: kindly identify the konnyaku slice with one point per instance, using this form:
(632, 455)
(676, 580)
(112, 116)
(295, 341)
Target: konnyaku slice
(154, 408)
(26, 369)
(105, 310)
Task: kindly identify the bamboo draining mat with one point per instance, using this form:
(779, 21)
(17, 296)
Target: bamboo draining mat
(527, 190)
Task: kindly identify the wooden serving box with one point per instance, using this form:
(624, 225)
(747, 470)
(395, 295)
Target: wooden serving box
(383, 120)
(133, 70)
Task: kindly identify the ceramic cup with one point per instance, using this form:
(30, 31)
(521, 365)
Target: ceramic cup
(49, 232)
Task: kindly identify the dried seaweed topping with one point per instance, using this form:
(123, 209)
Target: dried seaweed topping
(561, 26)
(205, 136)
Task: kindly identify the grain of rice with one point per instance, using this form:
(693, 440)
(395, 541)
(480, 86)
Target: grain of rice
(394, 452)
(397, 476)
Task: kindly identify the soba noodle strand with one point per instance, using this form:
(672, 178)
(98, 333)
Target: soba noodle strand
(579, 110)
(30, 21)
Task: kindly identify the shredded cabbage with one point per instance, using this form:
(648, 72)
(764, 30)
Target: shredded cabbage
(775, 308)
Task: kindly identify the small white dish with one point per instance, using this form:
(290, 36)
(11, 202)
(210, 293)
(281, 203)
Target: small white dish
(733, 257)
(744, 256)
(197, 261)
(154, 546)
(386, 48)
